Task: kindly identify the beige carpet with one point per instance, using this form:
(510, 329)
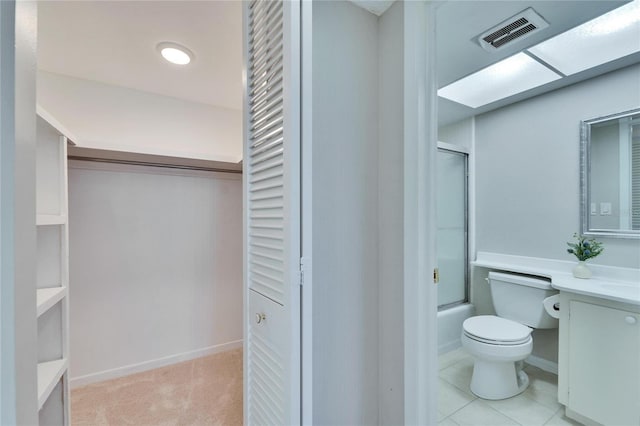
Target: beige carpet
(205, 391)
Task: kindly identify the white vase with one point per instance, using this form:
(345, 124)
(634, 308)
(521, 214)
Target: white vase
(581, 270)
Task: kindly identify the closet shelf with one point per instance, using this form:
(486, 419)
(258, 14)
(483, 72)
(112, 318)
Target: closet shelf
(48, 297)
(50, 219)
(49, 374)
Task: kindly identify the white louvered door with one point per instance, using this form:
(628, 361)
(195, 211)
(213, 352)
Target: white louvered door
(272, 212)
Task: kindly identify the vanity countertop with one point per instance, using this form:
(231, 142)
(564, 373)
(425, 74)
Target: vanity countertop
(618, 284)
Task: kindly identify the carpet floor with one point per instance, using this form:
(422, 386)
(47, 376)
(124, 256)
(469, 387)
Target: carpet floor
(204, 391)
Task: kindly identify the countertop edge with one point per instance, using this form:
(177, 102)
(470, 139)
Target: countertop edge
(559, 272)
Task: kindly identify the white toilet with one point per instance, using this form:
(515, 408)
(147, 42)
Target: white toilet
(500, 343)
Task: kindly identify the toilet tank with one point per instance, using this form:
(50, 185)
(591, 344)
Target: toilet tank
(519, 298)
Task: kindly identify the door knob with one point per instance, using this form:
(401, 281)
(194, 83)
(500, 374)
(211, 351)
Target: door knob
(629, 319)
(260, 317)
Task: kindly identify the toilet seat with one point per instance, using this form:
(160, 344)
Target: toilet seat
(494, 330)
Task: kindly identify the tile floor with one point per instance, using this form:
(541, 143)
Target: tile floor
(536, 406)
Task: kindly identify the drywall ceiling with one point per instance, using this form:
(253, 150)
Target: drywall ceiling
(114, 42)
(460, 22)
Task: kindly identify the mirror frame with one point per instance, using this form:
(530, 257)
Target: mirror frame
(585, 178)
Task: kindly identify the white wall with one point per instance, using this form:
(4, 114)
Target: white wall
(345, 214)
(155, 266)
(116, 118)
(528, 165)
(460, 133)
(527, 177)
(391, 214)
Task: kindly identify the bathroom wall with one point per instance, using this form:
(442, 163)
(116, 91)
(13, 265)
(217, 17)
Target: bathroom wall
(528, 165)
(117, 118)
(527, 179)
(345, 219)
(460, 133)
(155, 267)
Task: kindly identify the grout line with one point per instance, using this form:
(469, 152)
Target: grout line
(473, 400)
(504, 414)
(485, 404)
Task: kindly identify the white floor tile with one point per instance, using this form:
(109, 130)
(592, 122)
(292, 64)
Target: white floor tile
(538, 405)
(459, 375)
(543, 387)
(478, 413)
(450, 399)
(447, 422)
(453, 357)
(523, 410)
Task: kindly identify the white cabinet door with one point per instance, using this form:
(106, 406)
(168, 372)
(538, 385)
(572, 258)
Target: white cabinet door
(272, 212)
(604, 363)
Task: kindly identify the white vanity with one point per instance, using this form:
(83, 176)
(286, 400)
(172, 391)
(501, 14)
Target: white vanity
(599, 337)
(599, 350)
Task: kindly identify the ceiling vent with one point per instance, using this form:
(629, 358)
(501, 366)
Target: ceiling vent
(517, 27)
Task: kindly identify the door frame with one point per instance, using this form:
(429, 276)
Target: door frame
(420, 149)
(18, 335)
(306, 197)
(7, 149)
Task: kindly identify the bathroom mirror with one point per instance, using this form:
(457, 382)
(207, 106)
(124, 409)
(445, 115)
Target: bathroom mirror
(610, 175)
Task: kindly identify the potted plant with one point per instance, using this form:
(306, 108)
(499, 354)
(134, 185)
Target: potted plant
(584, 249)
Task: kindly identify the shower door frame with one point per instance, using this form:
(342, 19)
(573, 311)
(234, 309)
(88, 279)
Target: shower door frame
(460, 150)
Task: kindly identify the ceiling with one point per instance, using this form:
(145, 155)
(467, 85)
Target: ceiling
(458, 53)
(114, 42)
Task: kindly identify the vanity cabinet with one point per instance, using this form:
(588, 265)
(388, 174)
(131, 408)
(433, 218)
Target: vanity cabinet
(599, 360)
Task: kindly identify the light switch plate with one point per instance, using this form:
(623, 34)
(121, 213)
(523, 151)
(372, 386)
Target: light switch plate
(605, 209)
(594, 211)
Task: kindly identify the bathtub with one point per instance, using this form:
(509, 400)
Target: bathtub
(450, 326)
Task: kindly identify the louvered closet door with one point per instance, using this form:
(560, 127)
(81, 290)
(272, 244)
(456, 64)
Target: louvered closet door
(272, 213)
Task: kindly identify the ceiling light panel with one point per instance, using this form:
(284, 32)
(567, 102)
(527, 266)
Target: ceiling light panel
(606, 38)
(508, 77)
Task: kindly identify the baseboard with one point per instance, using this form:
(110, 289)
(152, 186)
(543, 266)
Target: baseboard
(578, 417)
(542, 364)
(126, 370)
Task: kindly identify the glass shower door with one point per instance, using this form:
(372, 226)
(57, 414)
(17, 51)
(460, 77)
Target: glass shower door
(452, 228)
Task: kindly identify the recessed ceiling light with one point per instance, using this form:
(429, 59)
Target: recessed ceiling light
(175, 53)
(508, 77)
(601, 40)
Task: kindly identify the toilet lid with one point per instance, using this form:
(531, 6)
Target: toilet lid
(496, 329)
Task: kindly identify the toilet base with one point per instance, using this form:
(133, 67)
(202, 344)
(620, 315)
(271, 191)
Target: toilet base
(498, 380)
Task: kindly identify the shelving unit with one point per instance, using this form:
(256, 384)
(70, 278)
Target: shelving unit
(52, 273)
(50, 219)
(49, 374)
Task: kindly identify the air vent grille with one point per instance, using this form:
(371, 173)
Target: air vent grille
(514, 35)
(523, 24)
(505, 30)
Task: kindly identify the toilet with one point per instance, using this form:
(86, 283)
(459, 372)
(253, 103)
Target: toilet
(499, 344)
